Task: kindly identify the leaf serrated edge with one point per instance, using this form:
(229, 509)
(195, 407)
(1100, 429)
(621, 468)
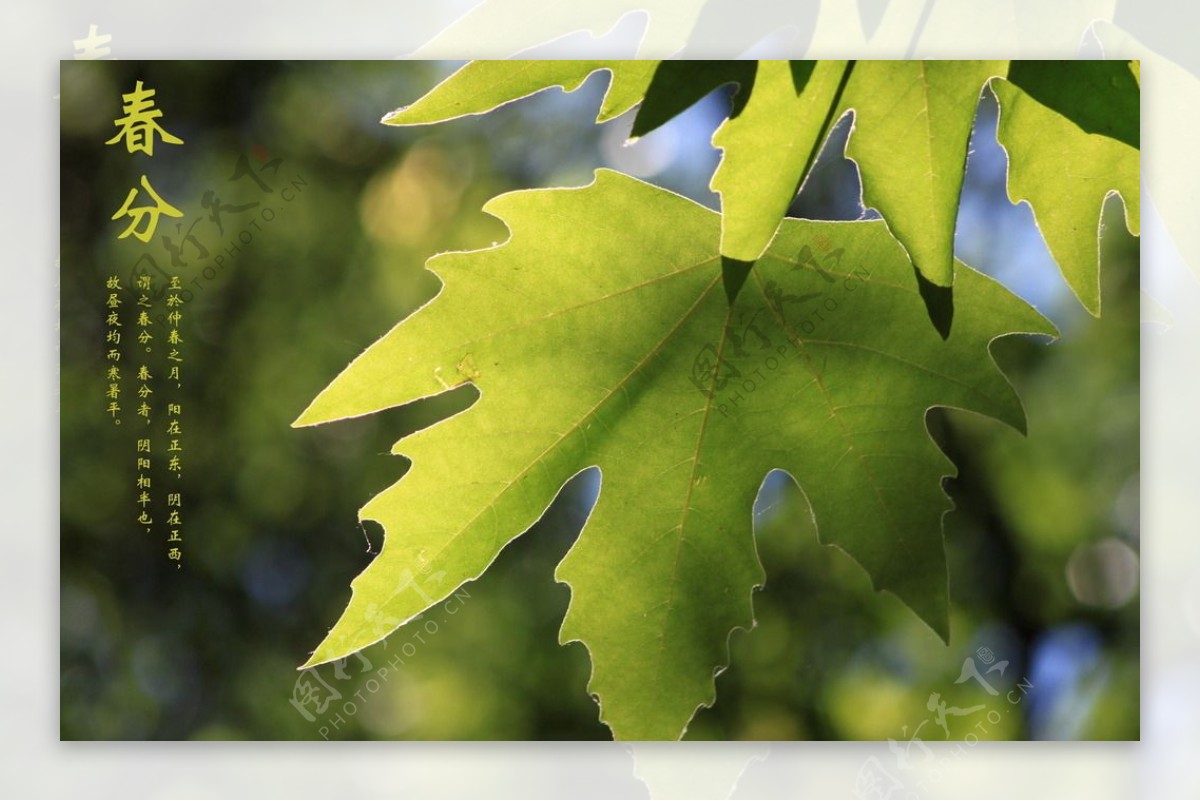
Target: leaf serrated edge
(604, 114)
(493, 207)
(717, 670)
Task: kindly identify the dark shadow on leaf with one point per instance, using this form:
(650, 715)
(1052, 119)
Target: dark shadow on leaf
(1101, 97)
(801, 72)
(734, 274)
(939, 302)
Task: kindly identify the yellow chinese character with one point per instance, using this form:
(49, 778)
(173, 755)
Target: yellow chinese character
(148, 213)
(140, 123)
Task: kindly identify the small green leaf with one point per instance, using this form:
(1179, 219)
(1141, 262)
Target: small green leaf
(598, 334)
(1066, 174)
(912, 124)
(767, 148)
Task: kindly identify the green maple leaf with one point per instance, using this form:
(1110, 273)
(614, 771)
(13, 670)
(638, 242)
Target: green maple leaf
(598, 335)
(912, 123)
(1067, 158)
(768, 147)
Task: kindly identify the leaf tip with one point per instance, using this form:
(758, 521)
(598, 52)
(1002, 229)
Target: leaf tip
(309, 417)
(319, 656)
(939, 301)
(734, 274)
(393, 116)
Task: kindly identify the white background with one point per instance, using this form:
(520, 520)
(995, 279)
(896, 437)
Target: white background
(36, 36)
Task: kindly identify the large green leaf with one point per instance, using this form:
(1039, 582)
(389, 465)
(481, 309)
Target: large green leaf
(912, 124)
(598, 335)
(1066, 174)
(767, 148)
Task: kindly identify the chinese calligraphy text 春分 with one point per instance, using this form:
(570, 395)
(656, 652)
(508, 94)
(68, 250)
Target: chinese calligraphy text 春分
(138, 130)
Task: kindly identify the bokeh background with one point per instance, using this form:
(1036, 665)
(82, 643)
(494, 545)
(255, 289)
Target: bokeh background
(1043, 545)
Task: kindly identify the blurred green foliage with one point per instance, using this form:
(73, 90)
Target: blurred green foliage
(1040, 546)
